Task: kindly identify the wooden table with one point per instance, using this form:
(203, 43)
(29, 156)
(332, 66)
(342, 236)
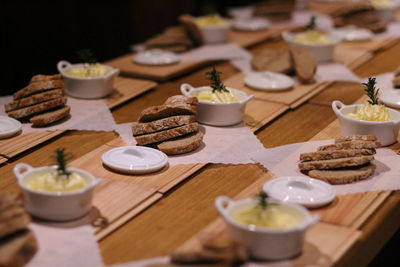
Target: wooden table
(188, 208)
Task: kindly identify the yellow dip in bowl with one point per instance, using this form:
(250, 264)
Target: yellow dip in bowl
(312, 37)
(211, 20)
(368, 112)
(218, 97)
(88, 71)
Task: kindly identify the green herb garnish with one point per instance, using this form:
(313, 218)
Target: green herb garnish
(61, 160)
(312, 24)
(371, 91)
(87, 56)
(215, 81)
(263, 200)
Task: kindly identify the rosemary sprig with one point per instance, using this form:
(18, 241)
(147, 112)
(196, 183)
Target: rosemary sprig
(215, 81)
(263, 200)
(312, 24)
(87, 56)
(61, 160)
(371, 91)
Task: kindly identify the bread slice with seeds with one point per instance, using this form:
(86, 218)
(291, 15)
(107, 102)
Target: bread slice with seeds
(334, 163)
(166, 134)
(343, 176)
(139, 128)
(356, 137)
(336, 154)
(182, 144)
(50, 117)
(356, 144)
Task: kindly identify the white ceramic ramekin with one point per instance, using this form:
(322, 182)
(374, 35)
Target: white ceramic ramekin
(55, 206)
(215, 34)
(322, 52)
(263, 243)
(386, 132)
(87, 87)
(218, 114)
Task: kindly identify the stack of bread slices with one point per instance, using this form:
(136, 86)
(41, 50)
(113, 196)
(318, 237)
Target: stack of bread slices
(171, 127)
(17, 242)
(42, 101)
(348, 160)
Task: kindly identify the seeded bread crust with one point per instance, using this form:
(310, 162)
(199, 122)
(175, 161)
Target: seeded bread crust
(305, 63)
(31, 110)
(167, 134)
(343, 176)
(336, 154)
(50, 117)
(334, 163)
(18, 249)
(41, 77)
(356, 137)
(356, 144)
(182, 144)
(36, 87)
(139, 128)
(34, 99)
(275, 61)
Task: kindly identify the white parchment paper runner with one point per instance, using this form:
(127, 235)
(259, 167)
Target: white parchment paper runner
(283, 160)
(85, 115)
(65, 245)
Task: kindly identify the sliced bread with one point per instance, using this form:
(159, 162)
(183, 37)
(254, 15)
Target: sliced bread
(354, 137)
(41, 77)
(34, 99)
(34, 109)
(16, 250)
(167, 134)
(304, 62)
(39, 86)
(356, 144)
(50, 117)
(275, 61)
(343, 176)
(334, 163)
(336, 154)
(139, 128)
(182, 144)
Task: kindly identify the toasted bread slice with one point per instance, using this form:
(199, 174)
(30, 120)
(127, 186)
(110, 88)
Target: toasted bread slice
(334, 163)
(336, 154)
(355, 137)
(16, 250)
(275, 61)
(36, 87)
(38, 108)
(356, 144)
(182, 144)
(15, 220)
(305, 63)
(343, 176)
(192, 28)
(167, 134)
(34, 99)
(139, 128)
(41, 77)
(50, 117)
(173, 106)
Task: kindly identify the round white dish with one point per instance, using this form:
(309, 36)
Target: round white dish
(87, 87)
(9, 126)
(264, 243)
(55, 206)
(391, 98)
(250, 24)
(156, 57)
(215, 34)
(304, 191)
(353, 34)
(322, 52)
(268, 81)
(135, 159)
(218, 114)
(385, 131)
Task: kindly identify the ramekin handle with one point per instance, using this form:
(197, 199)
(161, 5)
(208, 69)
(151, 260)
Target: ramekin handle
(221, 204)
(62, 65)
(337, 106)
(186, 89)
(20, 168)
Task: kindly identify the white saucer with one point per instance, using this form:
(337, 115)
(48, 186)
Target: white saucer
(250, 24)
(308, 192)
(268, 81)
(353, 34)
(8, 126)
(135, 159)
(391, 98)
(156, 57)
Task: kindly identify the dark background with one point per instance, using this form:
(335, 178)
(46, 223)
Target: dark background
(35, 35)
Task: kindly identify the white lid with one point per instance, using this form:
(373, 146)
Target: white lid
(9, 126)
(135, 159)
(305, 191)
(390, 98)
(268, 81)
(156, 57)
(352, 33)
(250, 24)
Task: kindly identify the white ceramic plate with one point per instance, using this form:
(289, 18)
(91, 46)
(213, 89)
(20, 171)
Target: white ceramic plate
(135, 159)
(156, 57)
(268, 81)
(8, 126)
(353, 34)
(391, 98)
(250, 24)
(308, 192)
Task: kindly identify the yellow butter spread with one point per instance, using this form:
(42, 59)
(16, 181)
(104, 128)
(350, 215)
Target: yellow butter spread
(211, 20)
(381, 3)
(217, 96)
(50, 181)
(274, 216)
(88, 71)
(312, 37)
(368, 112)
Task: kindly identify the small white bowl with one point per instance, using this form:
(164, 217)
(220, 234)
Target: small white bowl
(215, 34)
(156, 57)
(218, 114)
(264, 243)
(353, 34)
(55, 206)
(386, 132)
(87, 87)
(250, 24)
(322, 52)
(388, 13)
(268, 81)
(9, 126)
